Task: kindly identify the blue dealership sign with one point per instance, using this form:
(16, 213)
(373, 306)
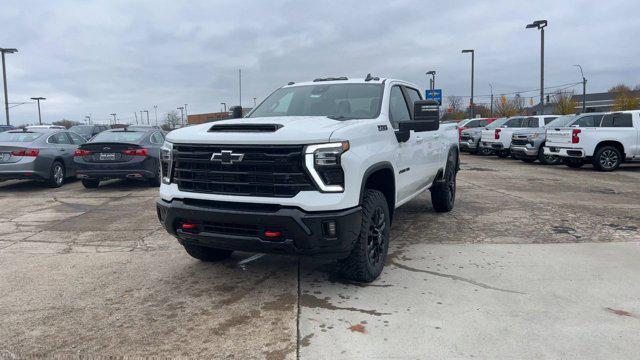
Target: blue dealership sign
(435, 94)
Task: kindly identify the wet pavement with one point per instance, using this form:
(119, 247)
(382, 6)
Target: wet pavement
(533, 262)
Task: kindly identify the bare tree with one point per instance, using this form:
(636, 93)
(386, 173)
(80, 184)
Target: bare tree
(505, 107)
(619, 88)
(564, 103)
(66, 123)
(455, 103)
(171, 120)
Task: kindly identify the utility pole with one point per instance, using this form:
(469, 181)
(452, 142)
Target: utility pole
(254, 102)
(540, 25)
(141, 118)
(240, 87)
(155, 108)
(471, 105)
(38, 100)
(432, 81)
(584, 89)
(491, 106)
(4, 80)
(186, 113)
(147, 111)
(225, 106)
(181, 108)
(135, 114)
(114, 119)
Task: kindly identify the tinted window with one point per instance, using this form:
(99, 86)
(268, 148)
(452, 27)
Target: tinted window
(588, 121)
(473, 124)
(119, 136)
(414, 95)
(356, 101)
(157, 138)
(549, 119)
(514, 122)
(398, 110)
(84, 130)
(59, 138)
(76, 139)
(483, 123)
(617, 120)
(19, 136)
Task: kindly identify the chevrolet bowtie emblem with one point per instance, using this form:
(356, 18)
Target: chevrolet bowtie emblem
(227, 157)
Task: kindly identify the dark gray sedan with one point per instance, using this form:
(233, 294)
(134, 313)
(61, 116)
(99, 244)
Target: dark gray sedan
(38, 154)
(120, 154)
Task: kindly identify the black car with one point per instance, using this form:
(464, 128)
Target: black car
(88, 131)
(4, 128)
(120, 154)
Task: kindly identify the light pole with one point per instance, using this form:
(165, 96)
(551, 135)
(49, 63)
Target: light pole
(540, 25)
(38, 100)
(471, 105)
(225, 106)
(181, 108)
(141, 117)
(4, 80)
(584, 89)
(186, 113)
(88, 117)
(114, 118)
(147, 111)
(155, 108)
(491, 106)
(254, 102)
(432, 81)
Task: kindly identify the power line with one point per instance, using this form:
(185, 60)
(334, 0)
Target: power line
(523, 92)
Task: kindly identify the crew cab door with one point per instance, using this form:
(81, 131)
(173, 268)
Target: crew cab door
(410, 155)
(619, 127)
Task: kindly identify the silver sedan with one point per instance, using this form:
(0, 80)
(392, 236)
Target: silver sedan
(38, 154)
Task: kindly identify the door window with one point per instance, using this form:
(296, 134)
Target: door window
(59, 138)
(512, 123)
(549, 119)
(414, 95)
(617, 120)
(398, 110)
(588, 121)
(157, 138)
(76, 139)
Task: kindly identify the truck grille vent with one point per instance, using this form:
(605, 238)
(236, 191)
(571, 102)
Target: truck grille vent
(519, 142)
(245, 170)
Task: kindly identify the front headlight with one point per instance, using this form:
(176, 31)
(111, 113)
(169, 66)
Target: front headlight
(534, 136)
(323, 163)
(166, 160)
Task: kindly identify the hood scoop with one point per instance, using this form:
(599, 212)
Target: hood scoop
(253, 128)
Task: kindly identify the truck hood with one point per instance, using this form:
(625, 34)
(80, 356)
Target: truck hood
(267, 130)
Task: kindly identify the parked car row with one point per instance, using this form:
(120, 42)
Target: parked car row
(53, 155)
(604, 139)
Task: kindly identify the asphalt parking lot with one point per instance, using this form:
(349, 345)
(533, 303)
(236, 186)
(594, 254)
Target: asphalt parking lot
(533, 262)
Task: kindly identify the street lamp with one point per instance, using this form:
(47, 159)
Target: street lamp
(155, 108)
(254, 102)
(225, 106)
(471, 105)
(147, 111)
(584, 89)
(540, 25)
(114, 118)
(491, 86)
(38, 100)
(432, 81)
(4, 80)
(88, 117)
(181, 108)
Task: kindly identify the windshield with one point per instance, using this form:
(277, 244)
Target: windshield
(82, 129)
(561, 121)
(19, 136)
(118, 136)
(338, 101)
(496, 123)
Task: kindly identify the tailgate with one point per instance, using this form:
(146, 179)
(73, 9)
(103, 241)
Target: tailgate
(559, 136)
(488, 135)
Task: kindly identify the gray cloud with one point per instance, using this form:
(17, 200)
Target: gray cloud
(116, 56)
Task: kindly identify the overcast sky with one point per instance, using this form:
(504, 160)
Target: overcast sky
(97, 58)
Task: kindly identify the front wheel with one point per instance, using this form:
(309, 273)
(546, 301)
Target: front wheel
(548, 159)
(607, 158)
(443, 194)
(56, 175)
(208, 254)
(367, 258)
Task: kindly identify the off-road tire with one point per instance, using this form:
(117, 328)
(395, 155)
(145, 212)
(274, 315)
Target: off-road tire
(443, 194)
(574, 163)
(90, 183)
(56, 175)
(607, 158)
(367, 258)
(208, 254)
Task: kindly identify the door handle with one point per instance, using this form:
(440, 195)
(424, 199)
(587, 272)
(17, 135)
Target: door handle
(436, 135)
(419, 139)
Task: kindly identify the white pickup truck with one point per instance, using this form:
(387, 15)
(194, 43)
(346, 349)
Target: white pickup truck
(318, 168)
(499, 137)
(607, 141)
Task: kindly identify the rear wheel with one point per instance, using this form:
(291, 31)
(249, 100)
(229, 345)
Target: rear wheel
(155, 181)
(208, 254)
(574, 163)
(443, 195)
(367, 258)
(56, 175)
(90, 183)
(607, 158)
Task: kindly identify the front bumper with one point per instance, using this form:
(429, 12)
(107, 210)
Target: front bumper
(524, 151)
(468, 145)
(565, 152)
(238, 226)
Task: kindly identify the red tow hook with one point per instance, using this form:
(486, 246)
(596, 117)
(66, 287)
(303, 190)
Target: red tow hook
(272, 234)
(190, 227)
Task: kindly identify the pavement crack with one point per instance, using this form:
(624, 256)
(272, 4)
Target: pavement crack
(454, 277)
